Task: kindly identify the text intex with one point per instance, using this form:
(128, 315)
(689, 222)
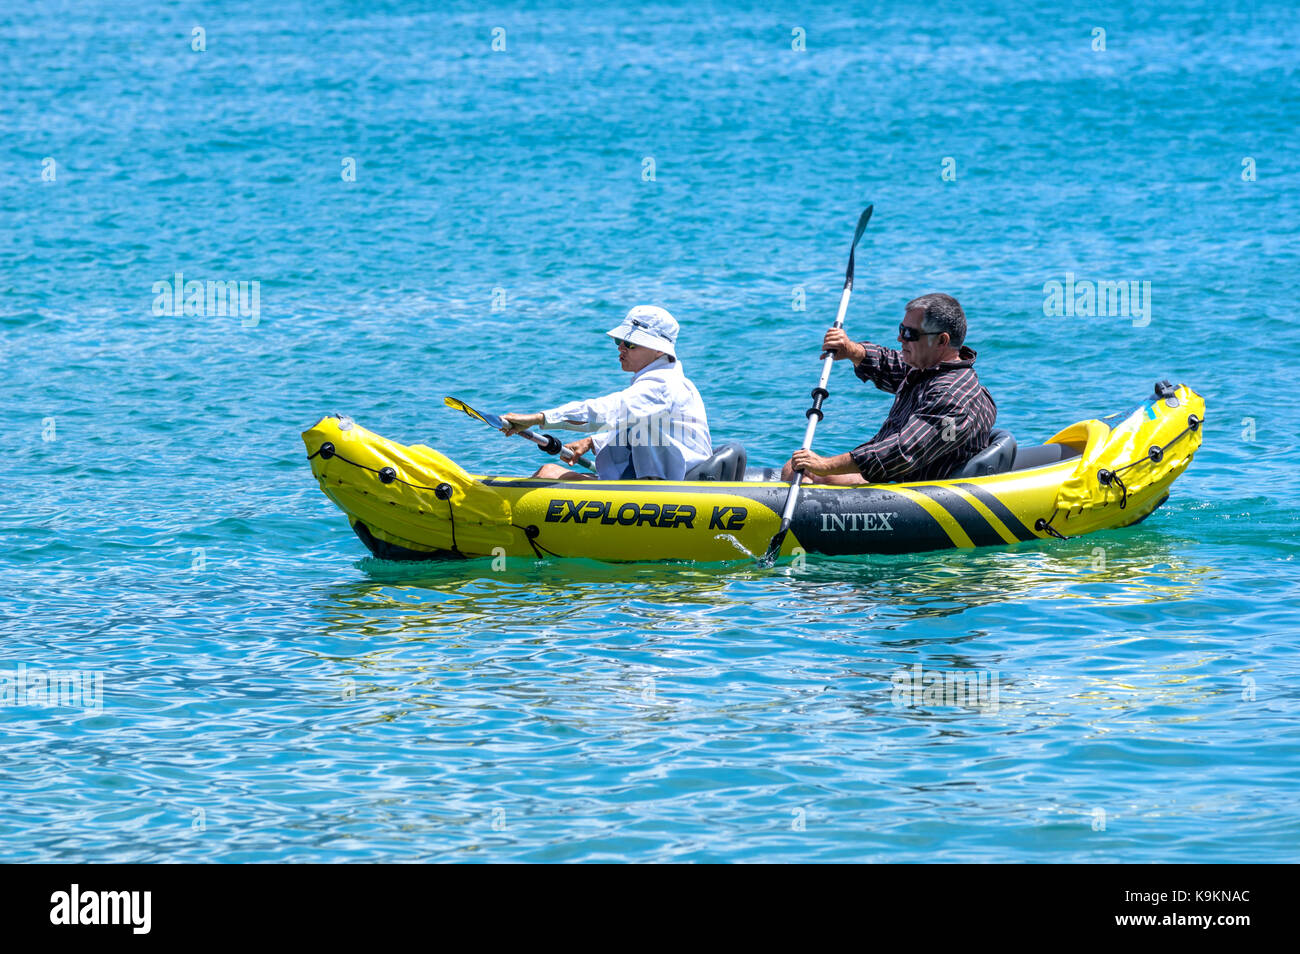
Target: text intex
(102, 907)
(857, 521)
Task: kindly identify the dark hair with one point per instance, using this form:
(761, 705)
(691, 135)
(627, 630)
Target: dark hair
(942, 313)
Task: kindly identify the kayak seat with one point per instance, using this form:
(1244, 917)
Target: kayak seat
(1043, 454)
(726, 463)
(997, 458)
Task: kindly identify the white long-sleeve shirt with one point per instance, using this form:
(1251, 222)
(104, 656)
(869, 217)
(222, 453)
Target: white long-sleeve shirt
(654, 428)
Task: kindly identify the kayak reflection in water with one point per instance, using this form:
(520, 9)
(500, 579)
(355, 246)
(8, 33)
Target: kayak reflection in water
(941, 416)
(655, 429)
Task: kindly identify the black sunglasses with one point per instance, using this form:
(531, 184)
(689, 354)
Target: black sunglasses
(625, 343)
(912, 334)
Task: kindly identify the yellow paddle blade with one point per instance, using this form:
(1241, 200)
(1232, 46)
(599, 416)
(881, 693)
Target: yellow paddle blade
(459, 405)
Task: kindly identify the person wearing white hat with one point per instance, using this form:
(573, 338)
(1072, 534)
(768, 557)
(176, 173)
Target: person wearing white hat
(654, 429)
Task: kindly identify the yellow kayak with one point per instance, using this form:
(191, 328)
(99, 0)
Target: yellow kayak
(409, 502)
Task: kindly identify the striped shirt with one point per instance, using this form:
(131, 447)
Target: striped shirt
(941, 417)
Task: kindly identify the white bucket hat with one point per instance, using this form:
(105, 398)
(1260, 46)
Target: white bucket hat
(649, 326)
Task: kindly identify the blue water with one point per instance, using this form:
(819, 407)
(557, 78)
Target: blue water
(270, 693)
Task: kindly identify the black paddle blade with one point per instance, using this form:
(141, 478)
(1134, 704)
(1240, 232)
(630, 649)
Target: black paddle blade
(863, 219)
(774, 548)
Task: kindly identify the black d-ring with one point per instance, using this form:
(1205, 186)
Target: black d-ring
(387, 475)
(326, 451)
(1157, 454)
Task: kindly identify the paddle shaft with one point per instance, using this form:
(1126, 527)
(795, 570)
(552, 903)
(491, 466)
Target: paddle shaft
(546, 442)
(819, 394)
(549, 442)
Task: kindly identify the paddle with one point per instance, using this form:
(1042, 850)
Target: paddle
(546, 442)
(819, 394)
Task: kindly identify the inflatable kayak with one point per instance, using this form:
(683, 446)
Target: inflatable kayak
(413, 503)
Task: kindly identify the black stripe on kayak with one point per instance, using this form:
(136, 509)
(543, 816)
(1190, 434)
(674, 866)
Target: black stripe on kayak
(391, 551)
(979, 530)
(1001, 511)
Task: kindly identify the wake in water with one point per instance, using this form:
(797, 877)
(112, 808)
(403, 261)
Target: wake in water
(735, 543)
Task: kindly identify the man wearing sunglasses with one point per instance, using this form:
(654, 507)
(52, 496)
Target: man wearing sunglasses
(941, 416)
(655, 429)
